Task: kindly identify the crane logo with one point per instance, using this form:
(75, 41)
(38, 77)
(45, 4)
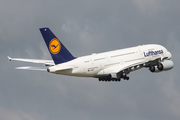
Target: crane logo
(54, 46)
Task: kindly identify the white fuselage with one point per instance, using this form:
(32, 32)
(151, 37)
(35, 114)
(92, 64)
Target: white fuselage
(106, 66)
(111, 62)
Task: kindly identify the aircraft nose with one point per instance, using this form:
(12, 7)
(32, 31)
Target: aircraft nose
(169, 55)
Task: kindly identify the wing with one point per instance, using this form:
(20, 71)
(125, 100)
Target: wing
(122, 69)
(132, 66)
(45, 62)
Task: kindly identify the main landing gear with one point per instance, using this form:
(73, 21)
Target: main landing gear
(125, 77)
(109, 78)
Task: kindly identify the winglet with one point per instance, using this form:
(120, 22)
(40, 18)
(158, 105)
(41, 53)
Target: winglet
(9, 58)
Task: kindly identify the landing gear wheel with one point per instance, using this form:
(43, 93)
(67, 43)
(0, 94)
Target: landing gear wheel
(152, 68)
(125, 77)
(160, 67)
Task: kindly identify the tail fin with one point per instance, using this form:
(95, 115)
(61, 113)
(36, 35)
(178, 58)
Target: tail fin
(57, 50)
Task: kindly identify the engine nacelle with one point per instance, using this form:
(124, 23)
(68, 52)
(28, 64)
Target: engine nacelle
(163, 66)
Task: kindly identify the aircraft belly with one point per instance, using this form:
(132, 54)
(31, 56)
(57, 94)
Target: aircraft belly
(64, 72)
(77, 72)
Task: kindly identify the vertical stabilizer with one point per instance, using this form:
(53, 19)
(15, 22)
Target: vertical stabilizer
(57, 50)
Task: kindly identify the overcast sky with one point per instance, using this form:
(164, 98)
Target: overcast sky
(86, 27)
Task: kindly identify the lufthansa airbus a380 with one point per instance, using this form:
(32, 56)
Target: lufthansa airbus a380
(106, 66)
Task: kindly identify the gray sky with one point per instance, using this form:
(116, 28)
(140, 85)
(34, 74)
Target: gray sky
(85, 27)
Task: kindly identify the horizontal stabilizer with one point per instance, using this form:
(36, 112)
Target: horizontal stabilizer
(33, 68)
(9, 58)
(45, 62)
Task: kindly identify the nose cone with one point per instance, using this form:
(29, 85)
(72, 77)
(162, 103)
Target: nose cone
(169, 55)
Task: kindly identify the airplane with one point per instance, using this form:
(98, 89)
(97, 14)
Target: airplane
(107, 66)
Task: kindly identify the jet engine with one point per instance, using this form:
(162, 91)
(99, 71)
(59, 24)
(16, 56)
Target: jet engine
(162, 66)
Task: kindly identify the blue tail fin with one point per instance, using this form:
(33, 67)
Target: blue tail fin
(57, 50)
